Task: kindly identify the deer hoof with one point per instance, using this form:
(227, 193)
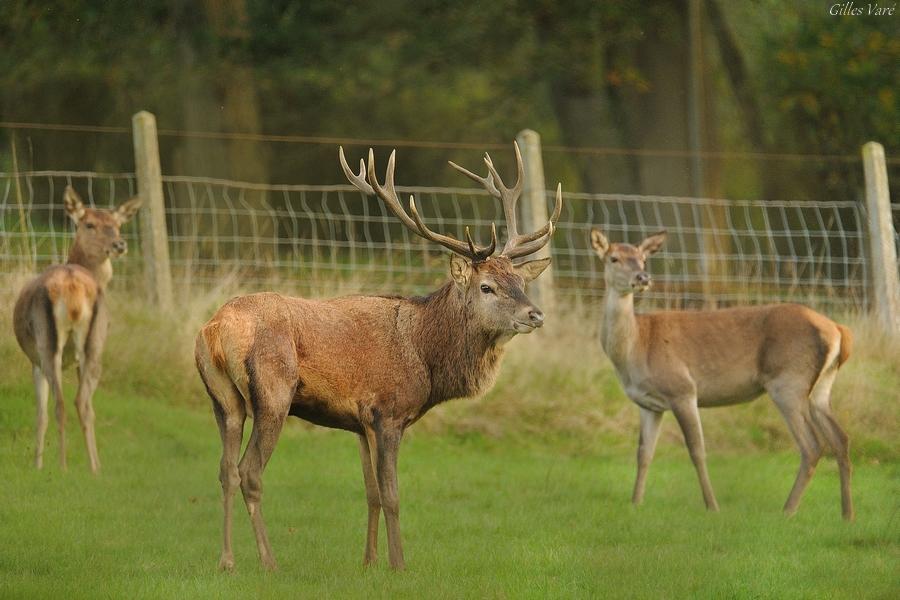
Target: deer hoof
(226, 563)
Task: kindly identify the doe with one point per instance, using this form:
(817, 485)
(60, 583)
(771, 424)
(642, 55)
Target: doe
(61, 317)
(682, 361)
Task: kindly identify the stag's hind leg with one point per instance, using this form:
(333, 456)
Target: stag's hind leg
(833, 433)
(270, 396)
(228, 407)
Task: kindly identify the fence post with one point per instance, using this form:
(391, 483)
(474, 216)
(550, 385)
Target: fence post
(881, 239)
(154, 240)
(533, 212)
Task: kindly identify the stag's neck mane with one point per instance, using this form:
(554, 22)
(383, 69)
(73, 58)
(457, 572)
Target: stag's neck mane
(101, 270)
(462, 358)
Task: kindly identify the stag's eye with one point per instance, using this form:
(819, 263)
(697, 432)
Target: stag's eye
(90, 225)
(485, 288)
(613, 259)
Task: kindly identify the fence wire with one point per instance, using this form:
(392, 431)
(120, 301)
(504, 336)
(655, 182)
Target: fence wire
(311, 239)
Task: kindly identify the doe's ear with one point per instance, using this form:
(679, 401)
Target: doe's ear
(128, 209)
(460, 270)
(653, 243)
(599, 242)
(74, 205)
(530, 270)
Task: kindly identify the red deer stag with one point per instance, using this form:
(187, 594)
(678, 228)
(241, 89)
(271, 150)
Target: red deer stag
(682, 361)
(61, 317)
(372, 365)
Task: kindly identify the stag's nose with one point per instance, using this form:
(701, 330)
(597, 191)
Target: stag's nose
(120, 246)
(536, 317)
(642, 279)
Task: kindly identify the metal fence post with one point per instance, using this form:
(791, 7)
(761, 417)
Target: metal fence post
(533, 212)
(881, 239)
(154, 240)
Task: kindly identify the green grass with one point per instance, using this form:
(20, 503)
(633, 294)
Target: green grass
(521, 493)
(481, 517)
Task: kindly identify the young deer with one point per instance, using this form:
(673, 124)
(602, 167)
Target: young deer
(682, 361)
(372, 365)
(61, 317)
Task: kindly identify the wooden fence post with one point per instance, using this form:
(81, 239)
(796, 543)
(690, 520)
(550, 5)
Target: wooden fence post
(533, 212)
(881, 239)
(154, 240)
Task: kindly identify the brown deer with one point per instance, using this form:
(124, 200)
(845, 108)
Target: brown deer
(61, 317)
(372, 365)
(682, 361)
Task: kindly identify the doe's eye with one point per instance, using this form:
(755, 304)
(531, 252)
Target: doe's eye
(613, 259)
(486, 288)
(89, 225)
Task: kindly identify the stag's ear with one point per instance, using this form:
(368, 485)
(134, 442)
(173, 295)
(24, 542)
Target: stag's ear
(599, 242)
(653, 243)
(127, 210)
(531, 269)
(74, 205)
(460, 270)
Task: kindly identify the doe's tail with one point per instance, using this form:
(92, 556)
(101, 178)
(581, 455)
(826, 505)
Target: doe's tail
(846, 344)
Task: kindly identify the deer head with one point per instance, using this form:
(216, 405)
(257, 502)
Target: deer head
(493, 286)
(624, 264)
(97, 234)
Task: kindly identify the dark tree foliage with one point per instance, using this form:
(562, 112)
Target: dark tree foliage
(581, 72)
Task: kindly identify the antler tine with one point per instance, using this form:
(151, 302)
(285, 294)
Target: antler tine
(388, 195)
(358, 180)
(509, 197)
(487, 182)
(472, 251)
(527, 244)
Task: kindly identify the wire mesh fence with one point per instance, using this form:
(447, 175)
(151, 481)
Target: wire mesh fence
(311, 239)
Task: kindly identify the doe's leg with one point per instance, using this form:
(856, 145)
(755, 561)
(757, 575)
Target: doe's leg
(650, 423)
(791, 400)
(88, 378)
(42, 397)
(688, 415)
(51, 366)
(837, 438)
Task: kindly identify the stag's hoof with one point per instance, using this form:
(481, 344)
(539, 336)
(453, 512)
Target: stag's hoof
(226, 563)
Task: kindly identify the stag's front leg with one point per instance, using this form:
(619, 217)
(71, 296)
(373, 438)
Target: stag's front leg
(387, 437)
(373, 500)
(688, 415)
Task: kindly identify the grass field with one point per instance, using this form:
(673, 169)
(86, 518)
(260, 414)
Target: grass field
(522, 493)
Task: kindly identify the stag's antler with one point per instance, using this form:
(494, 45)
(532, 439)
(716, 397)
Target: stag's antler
(367, 182)
(516, 245)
